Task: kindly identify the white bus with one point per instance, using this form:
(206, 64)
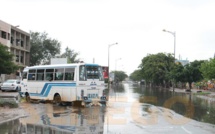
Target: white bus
(81, 82)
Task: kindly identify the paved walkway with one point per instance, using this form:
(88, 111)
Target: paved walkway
(10, 95)
(210, 96)
(192, 90)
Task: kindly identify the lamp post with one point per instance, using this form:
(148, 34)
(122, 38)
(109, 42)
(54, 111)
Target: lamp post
(174, 35)
(109, 63)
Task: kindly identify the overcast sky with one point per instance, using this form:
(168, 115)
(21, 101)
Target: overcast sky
(89, 26)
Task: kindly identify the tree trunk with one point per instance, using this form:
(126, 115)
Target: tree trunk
(190, 85)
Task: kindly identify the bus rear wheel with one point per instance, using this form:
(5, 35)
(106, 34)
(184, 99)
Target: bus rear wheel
(57, 99)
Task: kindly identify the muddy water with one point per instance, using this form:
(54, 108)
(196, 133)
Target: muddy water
(131, 109)
(186, 104)
(49, 119)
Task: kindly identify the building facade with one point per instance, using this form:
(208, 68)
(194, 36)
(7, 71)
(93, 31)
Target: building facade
(18, 42)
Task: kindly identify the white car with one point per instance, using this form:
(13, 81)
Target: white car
(0, 85)
(11, 85)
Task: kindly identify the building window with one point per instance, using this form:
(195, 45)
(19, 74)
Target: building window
(17, 42)
(11, 40)
(8, 36)
(22, 43)
(17, 58)
(21, 59)
(4, 34)
(27, 41)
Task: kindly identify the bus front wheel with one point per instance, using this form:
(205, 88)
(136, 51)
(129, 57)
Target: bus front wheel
(27, 98)
(57, 99)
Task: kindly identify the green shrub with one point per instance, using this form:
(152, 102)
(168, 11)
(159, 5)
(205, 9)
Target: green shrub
(8, 103)
(202, 93)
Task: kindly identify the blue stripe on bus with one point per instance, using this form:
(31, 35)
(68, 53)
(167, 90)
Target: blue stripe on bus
(48, 86)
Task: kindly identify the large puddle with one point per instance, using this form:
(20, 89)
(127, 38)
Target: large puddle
(49, 119)
(130, 110)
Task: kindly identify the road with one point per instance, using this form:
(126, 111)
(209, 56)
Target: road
(124, 114)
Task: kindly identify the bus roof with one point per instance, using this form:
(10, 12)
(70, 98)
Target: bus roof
(59, 65)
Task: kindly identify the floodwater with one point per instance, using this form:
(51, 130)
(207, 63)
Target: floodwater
(131, 109)
(202, 110)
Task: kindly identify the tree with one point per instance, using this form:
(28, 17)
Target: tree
(208, 69)
(156, 68)
(43, 48)
(192, 72)
(71, 55)
(177, 73)
(7, 65)
(119, 75)
(136, 75)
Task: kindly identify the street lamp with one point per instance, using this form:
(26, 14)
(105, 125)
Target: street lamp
(109, 63)
(174, 35)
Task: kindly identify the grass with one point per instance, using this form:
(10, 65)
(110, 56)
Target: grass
(8, 103)
(22, 100)
(201, 93)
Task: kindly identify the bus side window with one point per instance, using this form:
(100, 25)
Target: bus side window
(31, 74)
(59, 73)
(40, 74)
(49, 74)
(69, 73)
(100, 71)
(82, 73)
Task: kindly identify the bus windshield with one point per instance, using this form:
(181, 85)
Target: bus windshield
(24, 75)
(94, 72)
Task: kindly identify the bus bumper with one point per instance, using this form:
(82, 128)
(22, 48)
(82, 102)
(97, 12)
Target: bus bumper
(94, 101)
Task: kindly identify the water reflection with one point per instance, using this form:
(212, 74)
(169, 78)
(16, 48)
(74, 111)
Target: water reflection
(11, 127)
(185, 104)
(118, 87)
(49, 119)
(131, 111)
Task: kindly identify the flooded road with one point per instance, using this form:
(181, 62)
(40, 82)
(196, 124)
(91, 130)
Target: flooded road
(131, 109)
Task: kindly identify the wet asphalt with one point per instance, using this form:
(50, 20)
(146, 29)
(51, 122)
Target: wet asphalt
(125, 113)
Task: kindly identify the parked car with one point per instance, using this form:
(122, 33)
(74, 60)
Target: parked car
(0, 84)
(11, 84)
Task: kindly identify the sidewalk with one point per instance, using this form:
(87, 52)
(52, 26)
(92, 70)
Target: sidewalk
(13, 96)
(210, 96)
(192, 90)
